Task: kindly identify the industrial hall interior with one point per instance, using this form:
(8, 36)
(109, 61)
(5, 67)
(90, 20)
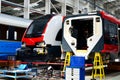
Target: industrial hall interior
(59, 39)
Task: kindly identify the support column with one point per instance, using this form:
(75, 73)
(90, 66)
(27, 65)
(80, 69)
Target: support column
(47, 7)
(86, 8)
(94, 5)
(76, 6)
(26, 9)
(0, 6)
(63, 11)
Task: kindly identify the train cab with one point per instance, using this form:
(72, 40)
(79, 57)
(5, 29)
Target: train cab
(40, 32)
(84, 34)
(42, 39)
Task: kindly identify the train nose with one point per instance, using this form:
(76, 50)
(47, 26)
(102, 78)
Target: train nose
(29, 42)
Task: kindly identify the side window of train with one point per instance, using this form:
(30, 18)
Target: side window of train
(20, 32)
(110, 30)
(3, 30)
(11, 33)
(113, 33)
(106, 32)
(59, 35)
(119, 33)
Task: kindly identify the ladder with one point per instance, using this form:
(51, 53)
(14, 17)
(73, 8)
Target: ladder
(67, 60)
(98, 68)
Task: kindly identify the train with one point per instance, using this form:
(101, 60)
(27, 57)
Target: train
(81, 34)
(11, 32)
(92, 32)
(43, 36)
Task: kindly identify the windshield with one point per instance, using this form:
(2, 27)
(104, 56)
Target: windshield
(81, 29)
(37, 26)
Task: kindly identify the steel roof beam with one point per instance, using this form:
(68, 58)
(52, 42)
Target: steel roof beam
(12, 4)
(14, 21)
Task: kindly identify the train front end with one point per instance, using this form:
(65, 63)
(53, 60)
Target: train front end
(42, 32)
(83, 34)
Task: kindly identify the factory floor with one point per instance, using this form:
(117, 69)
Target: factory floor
(109, 75)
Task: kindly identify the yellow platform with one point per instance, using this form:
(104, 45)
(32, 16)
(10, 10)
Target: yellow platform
(67, 60)
(98, 67)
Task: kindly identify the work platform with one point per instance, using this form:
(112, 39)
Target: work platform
(14, 73)
(22, 71)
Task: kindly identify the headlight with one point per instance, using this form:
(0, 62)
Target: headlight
(41, 44)
(23, 45)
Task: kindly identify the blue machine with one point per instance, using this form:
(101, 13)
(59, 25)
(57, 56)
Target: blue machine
(8, 48)
(76, 70)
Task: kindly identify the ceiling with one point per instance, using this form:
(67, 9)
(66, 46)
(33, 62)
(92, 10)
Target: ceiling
(15, 7)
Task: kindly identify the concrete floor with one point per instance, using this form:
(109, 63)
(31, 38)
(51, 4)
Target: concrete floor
(109, 75)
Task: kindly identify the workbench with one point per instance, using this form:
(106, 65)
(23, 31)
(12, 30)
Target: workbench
(15, 73)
